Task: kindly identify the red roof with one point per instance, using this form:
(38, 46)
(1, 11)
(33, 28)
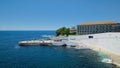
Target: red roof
(98, 23)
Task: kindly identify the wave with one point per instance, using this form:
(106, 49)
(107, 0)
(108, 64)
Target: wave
(17, 47)
(106, 60)
(47, 36)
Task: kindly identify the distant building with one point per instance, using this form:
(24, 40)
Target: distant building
(73, 30)
(98, 27)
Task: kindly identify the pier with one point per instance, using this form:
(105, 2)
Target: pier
(36, 42)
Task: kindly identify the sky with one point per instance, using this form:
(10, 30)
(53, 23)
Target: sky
(53, 14)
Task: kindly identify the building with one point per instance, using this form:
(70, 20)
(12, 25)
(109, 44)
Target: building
(72, 30)
(97, 27)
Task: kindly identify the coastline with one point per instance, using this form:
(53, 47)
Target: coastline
(115, 57)
(107, 43)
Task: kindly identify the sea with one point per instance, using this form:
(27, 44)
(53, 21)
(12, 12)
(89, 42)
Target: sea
(14, 56)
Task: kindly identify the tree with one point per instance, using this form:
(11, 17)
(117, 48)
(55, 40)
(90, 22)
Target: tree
(64, 31)
(67, 31)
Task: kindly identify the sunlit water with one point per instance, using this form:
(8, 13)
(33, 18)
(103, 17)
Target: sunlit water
(14, 56)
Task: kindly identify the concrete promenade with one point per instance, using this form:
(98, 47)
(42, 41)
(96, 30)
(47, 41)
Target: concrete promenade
(36, 42)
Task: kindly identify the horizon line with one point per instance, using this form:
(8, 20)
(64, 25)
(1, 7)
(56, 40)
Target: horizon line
(27, 30)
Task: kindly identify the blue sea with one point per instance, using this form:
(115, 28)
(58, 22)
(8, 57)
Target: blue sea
(14, 56)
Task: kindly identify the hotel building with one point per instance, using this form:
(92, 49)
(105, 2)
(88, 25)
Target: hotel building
(97, 27)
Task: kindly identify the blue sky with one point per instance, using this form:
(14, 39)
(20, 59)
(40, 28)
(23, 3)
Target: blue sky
(52, 14)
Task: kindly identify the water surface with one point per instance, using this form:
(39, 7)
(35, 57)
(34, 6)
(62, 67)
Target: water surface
(14, 56)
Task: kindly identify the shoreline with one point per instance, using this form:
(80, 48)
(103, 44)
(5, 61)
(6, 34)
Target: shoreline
(115, 57)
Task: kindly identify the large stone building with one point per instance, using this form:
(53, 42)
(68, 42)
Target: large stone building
(98, 27)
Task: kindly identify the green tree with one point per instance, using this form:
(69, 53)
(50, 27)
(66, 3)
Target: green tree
(61, 31)
(67, 31)
(64, 31)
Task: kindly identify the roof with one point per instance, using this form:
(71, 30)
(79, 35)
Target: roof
(98, 23)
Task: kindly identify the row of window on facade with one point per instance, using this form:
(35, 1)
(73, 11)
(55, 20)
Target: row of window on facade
(91, 29)
(94, 26)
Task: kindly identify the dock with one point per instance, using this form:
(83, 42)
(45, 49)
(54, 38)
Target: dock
(36, 42)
